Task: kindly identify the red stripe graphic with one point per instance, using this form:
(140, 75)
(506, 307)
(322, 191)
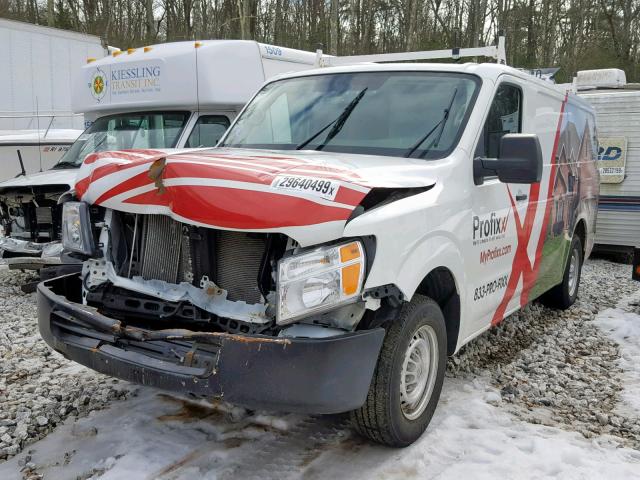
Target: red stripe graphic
(521, 264)
(242, 209)
(223, 167)
(543, 231)
(136, 181)
(97, 173)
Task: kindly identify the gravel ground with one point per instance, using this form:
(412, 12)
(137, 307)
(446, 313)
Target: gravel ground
(559, 368)
(553, 368)
(38, 387)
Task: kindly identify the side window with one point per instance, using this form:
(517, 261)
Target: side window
(207, 131)
(505, 116)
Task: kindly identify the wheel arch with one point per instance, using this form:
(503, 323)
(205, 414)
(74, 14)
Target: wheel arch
(581, 231)
(440, 285)
(435, 268)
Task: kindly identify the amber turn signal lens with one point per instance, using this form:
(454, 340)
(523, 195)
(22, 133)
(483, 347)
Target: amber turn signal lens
(349, 252)
(350, 279)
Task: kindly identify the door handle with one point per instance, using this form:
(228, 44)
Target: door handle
(521, 197)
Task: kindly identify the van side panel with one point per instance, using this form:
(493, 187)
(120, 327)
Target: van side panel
(567, 194)
(573, 194)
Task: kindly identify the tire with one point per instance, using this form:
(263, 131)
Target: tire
(563, 295)
(383, 418)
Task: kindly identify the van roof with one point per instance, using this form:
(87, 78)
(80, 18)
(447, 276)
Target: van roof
(489, 71)
(484, 70)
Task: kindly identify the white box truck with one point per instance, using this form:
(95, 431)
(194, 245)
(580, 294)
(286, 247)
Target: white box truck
(170, 95)
(355, 226)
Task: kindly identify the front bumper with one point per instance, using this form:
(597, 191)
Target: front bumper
(310, 375)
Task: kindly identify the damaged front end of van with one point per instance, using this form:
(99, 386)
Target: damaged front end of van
(222, 274)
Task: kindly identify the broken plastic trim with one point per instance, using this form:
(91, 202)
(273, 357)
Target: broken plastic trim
(212, 299)
(142, 335)
(378, 197)
(119, 330)
(28, 247)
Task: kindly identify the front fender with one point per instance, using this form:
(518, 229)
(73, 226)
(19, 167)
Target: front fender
(406, 249)
(437, 250)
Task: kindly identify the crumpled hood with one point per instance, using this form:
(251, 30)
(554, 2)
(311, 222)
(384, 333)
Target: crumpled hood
(309, 196)
(65, 178)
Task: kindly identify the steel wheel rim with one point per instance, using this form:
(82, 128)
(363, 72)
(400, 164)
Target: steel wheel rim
(419, 371)
(573, 272)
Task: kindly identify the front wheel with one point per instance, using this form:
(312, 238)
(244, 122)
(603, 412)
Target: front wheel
(563, 295)
(408, 379)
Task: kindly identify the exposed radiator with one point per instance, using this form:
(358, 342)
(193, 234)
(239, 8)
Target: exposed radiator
(44, 215)
(238, 263)
(235, 257)
(162, 249)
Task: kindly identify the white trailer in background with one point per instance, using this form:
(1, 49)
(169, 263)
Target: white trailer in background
(172, 95)
(36, 79)
(35, 93)
(617, 106)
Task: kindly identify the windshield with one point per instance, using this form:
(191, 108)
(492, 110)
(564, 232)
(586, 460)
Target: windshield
(126, 131)
(418, 114)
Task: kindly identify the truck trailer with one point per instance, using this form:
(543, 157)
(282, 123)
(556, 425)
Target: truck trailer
(35, 105)
(617, 106)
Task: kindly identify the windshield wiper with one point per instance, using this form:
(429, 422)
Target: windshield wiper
(338, 123)
(65, 164)
(440, 124)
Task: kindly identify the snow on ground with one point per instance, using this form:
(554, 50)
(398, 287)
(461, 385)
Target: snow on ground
(157, 436)
(622, 324)
(470, 438)
(481, 428)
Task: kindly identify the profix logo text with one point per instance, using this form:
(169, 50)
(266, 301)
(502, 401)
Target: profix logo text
(489, 227)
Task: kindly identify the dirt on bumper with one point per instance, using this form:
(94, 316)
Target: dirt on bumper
(310, 375)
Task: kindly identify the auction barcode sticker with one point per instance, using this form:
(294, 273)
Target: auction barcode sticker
(319, 187)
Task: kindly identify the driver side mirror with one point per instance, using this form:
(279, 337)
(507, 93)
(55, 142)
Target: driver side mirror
(520, 161)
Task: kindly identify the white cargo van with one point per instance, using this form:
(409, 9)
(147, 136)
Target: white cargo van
(354, 227)
(182, 94)
(617, 106)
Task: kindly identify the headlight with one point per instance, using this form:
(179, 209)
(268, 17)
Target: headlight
(76, 228)
(319, 280)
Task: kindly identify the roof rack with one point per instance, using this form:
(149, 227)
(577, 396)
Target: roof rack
(496, 52)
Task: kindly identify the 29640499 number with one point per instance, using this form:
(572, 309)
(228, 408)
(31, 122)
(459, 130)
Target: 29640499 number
(320, 187)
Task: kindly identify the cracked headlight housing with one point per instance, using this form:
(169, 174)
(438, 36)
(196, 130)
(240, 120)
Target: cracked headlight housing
(76, 228)
(319, 280)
